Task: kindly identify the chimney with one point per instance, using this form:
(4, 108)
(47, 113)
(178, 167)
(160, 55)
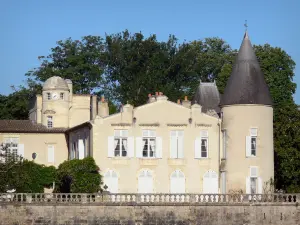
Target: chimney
(103, 109)
(178, 101)
(186, 103)
(93, 107)
(151, 98)
(161, 97)
(196, 108)
(70, 86)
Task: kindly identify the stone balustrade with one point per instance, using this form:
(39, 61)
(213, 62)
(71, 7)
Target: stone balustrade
(154, 199)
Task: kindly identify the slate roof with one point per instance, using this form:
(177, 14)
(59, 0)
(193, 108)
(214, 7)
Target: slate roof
(208, 96)
(246, 84)
(26, 126)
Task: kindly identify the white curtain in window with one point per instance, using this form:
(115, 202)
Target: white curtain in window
(124, 142)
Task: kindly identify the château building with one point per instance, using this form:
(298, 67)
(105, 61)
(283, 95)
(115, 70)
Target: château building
(212, 144)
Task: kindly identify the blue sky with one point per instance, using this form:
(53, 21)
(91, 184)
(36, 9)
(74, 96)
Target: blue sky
(30, 28)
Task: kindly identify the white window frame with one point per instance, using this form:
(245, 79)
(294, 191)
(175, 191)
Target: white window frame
(121, 135)
(12, 145)
(62, 96)
(148, 137)
(204, 137)
(50, 121)
(178, 134)
(253, 178)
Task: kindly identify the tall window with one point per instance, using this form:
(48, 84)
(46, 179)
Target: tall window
(11, 147)
(253, 180)
(62, 96)
(224, 143)
(253, 133)
(49, 121)
(48, 95)
(176, 145)
(204, 144)
(120, 143)
(149, 143)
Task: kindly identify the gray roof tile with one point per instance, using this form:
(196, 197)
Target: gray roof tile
(246, 84)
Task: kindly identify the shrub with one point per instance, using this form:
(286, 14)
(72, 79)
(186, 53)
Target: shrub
(78, 176)
(23, 175)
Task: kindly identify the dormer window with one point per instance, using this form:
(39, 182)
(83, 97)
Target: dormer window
(48, 96)
(62, 96)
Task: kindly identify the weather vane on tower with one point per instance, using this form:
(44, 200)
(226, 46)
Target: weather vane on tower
(246, 25)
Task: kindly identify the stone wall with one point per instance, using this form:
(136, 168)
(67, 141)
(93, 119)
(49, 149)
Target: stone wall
(149, 214)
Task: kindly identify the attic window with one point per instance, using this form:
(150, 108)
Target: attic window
(48, 96)
(62, 96)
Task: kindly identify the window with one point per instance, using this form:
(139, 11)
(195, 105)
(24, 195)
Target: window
(210, 182)
(120, 143)
(145, 182)
(253, 180)
(48, 96)
(253, 133)
(49, 121)
(62, 96)
(11, 147)
(251, 143)
(204, 144)
(149, 143)
(176, 145)
(111, 181)
(177, 183)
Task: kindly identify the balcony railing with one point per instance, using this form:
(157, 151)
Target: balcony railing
(155, 199)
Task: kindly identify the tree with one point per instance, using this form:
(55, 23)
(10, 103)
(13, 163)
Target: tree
(77, 60)
(78, 176)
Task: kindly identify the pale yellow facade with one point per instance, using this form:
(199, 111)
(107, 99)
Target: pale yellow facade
(215, 145)
(161, 116)
(40, 143)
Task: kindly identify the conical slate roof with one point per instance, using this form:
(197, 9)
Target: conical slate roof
(246, 84)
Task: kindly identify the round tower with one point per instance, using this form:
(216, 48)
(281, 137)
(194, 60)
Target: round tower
(247, 123)
(55, 108)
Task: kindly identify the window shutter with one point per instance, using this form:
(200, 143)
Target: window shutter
(110, 146)
(130, 147)
(253, 132)
(248, 188)
(248, 146)
(21, 150)
(198, 148)
(180, 147)
(173, 147)
(139, 147)
(158, 147)
(204, 133)
(259, 186)
(80, 149)
(253, 171)
(50, 153)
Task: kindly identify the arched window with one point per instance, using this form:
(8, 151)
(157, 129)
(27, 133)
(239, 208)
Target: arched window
(210, 182)
(177, 182)
(145, 182)
(111, 181)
